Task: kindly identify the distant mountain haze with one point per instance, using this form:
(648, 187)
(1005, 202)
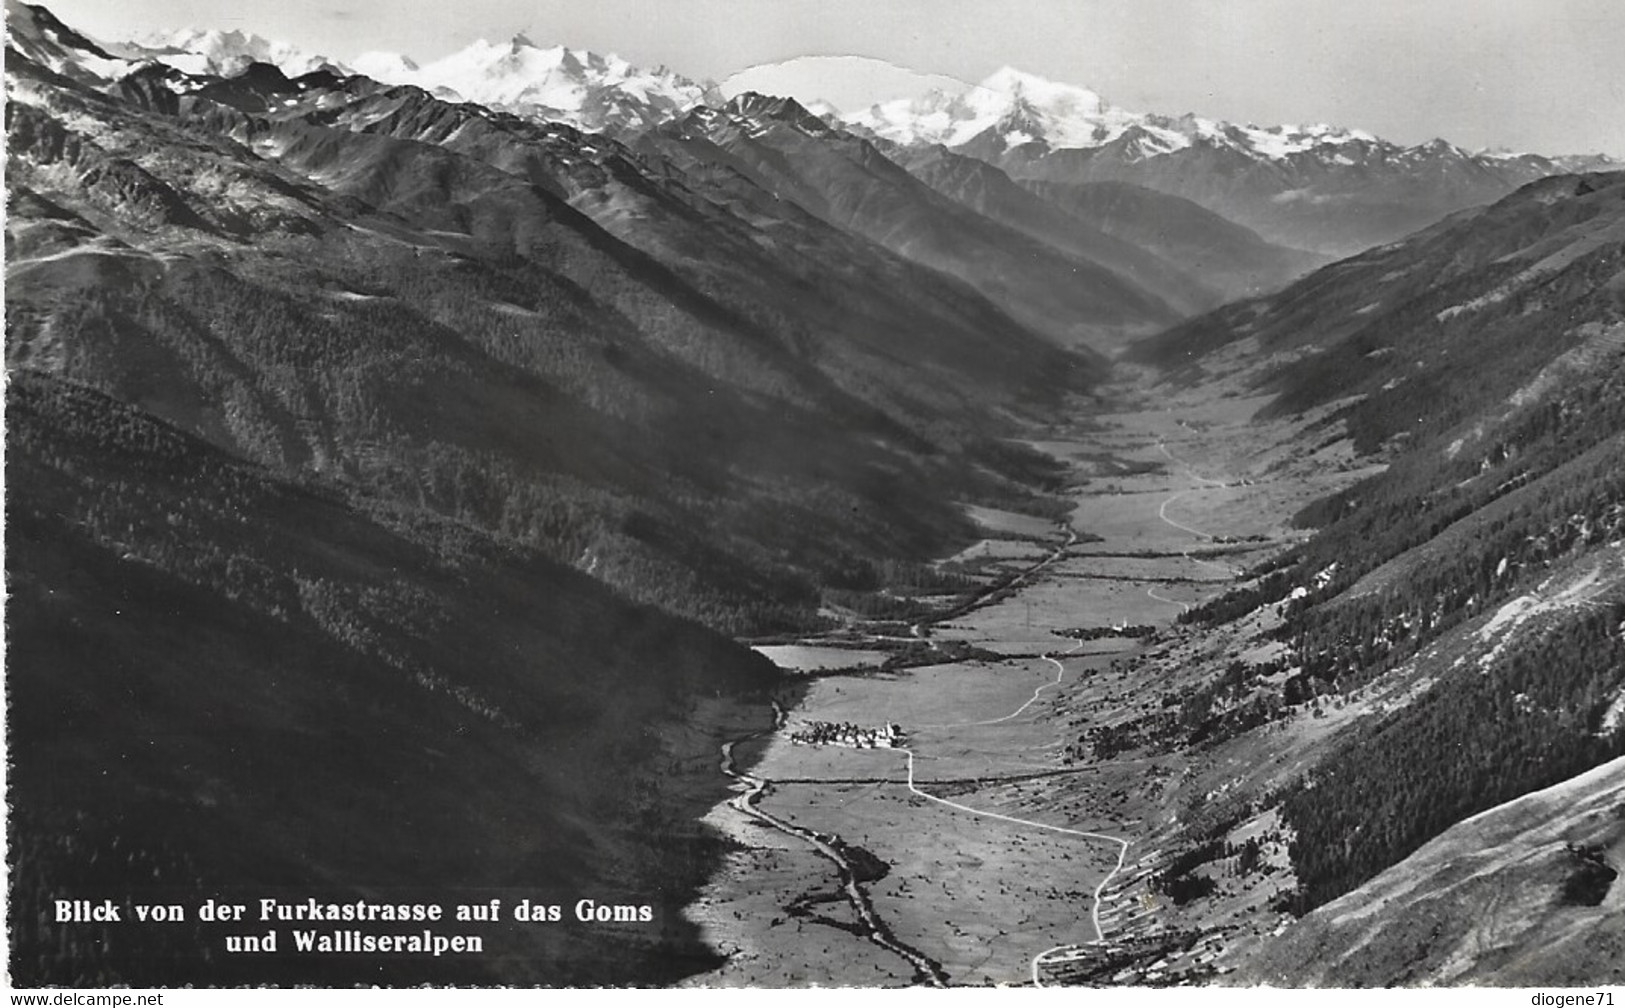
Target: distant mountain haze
(848, 84)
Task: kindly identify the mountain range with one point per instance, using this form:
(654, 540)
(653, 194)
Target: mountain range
(1316, 187)
(205, 51)
(554, 83)
(1325, 189)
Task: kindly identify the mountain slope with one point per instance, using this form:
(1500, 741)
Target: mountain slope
(1190, 257)
(1513, 287)
(184, 223)
(843, 179)
(1449, 632)
(1229, 258)
(994, 195)
(1523, 895)
(773, 267)
(36, 33)
(227, 686)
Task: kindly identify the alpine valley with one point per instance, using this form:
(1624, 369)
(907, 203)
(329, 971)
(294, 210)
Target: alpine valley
(989, 537)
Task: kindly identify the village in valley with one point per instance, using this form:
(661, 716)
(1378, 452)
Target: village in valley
(845, 733)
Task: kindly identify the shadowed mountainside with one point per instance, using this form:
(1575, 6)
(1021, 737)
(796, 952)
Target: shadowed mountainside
(226, 686)
(366, 285)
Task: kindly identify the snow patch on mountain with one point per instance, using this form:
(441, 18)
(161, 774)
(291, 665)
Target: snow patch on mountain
(37, 34)
(384, 66)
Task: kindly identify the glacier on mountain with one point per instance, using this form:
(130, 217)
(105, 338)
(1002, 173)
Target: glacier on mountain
(198, 51)
(554, 83)
(574, 86)
(1026, 108)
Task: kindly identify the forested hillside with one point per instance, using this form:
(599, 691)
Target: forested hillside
(1521, 895)
(1482, 569)
(366, 286)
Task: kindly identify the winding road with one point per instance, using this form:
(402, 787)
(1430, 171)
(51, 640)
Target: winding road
(1122, 844)
(1162, 513)
(833, 849)
(875, 929)
(830, 847)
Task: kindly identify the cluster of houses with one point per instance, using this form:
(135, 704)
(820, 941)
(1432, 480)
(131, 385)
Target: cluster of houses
(848, 734)
(1156, 958)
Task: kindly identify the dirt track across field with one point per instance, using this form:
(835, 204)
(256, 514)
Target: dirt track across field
(997, 847)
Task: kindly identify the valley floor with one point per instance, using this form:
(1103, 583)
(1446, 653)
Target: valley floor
(990, 842)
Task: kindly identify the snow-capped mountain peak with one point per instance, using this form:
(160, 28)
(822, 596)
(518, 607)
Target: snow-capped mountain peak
(224, 53)
(1020, 107)
(384, 66)
(1054, 98)
(575, 86)
(1013, 108)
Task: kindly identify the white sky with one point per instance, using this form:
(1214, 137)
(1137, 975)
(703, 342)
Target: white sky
(1541, 75)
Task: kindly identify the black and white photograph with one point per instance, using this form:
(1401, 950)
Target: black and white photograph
(815, 494)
